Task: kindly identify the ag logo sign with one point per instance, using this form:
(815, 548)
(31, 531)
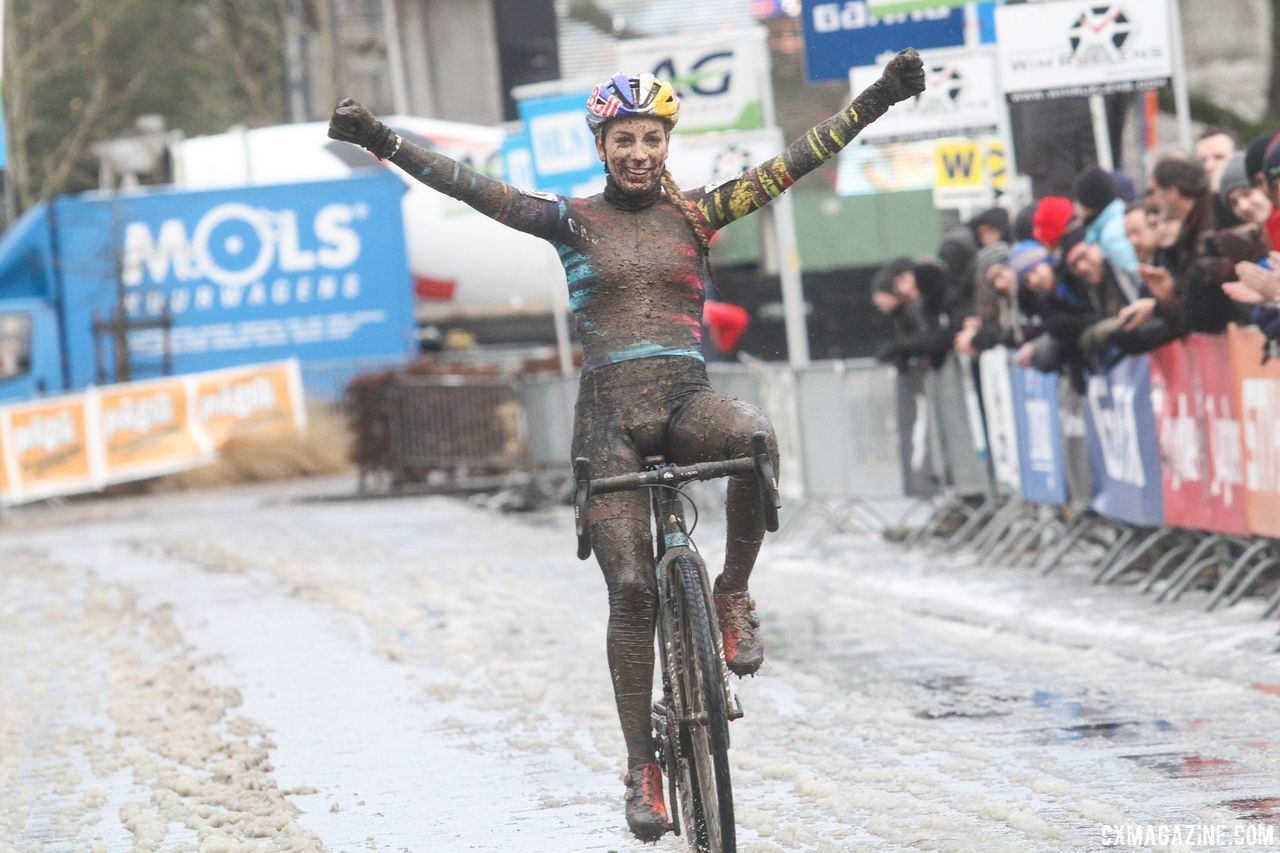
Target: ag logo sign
(717, 78)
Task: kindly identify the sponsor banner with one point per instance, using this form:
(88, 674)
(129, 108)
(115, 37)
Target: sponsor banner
(146, 429)
(718, 77)
(968, 172)
(964, 450)
(711, 158)
(564, 157)
(997, 404)
(264, 402)
(887, 168)
(1124, 453)
(1258, 386)
(47, 448)
(915, 438)
(841, 34)
(315, 271)
(889, 7)
(1226, 504)
(1071, 48)
(83, 442)
(1035, 415)
(961, 98)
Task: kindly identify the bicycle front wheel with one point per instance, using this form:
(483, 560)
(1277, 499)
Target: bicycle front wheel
(707, 719)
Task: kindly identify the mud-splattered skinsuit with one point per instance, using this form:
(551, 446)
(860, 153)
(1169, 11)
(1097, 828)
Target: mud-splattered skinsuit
(636, 276)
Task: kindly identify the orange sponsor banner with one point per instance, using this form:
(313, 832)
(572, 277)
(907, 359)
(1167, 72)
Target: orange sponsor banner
(48, 448)
(146, 429)
(1259, 394)
(264, 401)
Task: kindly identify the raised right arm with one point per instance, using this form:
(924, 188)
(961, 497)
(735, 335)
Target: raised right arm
(536, 214)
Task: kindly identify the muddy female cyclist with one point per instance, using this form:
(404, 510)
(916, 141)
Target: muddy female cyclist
(635, 258)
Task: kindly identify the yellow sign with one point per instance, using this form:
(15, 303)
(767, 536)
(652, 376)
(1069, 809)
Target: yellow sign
(995, 164)
(958, 165)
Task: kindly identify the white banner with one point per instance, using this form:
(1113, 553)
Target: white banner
(961, 97)
(1082, 47)
(719, 78)
(997, 402)
(710, 158)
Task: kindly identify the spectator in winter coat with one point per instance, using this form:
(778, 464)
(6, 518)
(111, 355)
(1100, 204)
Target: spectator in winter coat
(995, 320)
(1140, 229)
(990, 226)
(955, 256)
(913, 296)
(1180, 190)
(1213, 149)
(1103, 216)
(1250, 204)
(1052, 218)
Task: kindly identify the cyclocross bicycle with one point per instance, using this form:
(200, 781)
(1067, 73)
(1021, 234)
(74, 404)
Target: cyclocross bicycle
(691, 720)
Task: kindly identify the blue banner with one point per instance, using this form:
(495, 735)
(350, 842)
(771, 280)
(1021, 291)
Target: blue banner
(1041, 467)
(1124, 450)
(564, 149)
(841, 35)
(316, 271)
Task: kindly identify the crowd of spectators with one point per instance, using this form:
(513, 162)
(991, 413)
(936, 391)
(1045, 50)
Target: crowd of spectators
(1079, 282)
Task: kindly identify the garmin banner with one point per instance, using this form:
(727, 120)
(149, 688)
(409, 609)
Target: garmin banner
(1124, 453)
(1035, 416)
(718, 77)
(1072, 48)
(997, 404)
(961, 98)
(843, 34)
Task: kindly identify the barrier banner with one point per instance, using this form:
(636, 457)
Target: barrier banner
(1035, 416)
(1124, 452)
(264, 401)
(83, 442)
(1226, 503)
(1259, 389)
(147, 430)
(963, 449)
(918, 478)
(1194, 495)
(1075, 445)
(47, 448)
(997, 405)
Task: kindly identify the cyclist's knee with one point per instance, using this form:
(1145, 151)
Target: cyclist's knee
(623, 547)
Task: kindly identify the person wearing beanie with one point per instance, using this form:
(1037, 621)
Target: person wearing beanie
(1103, 215)
(1249, 203)
(914, 297)
(996, 320)
(1253, 156)
(990, 226)
(1052, 217)
(1026, 256)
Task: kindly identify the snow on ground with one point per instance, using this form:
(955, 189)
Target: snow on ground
(246, 669)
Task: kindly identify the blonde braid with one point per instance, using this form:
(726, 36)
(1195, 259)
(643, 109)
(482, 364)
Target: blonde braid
(700, 228)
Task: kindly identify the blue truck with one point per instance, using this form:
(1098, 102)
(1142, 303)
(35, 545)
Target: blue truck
(100, 288)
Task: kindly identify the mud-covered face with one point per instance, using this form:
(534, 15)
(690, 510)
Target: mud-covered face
(634, 150)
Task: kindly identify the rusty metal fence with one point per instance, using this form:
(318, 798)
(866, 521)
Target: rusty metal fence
(456, 425)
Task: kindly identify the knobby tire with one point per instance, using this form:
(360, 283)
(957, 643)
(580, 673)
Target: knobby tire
(704, 694)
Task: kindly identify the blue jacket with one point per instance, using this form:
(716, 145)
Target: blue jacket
(1107, 230)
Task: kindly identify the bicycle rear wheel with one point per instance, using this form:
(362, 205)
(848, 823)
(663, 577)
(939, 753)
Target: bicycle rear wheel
(708, 726)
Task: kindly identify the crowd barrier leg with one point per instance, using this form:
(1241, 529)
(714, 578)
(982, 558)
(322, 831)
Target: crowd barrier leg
(1208, 553)
(1249, 581)
(1108, 573)
(996, 527)
(1007, 528)
(1011, 538)
(1117, 549)
(980, 516)
(1076, 530)
(1046, 531)
(1237, 568)
(1274, 602)
(1221, 557)
(1154, 576)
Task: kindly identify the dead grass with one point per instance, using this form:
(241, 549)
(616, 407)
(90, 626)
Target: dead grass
(323, 449)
